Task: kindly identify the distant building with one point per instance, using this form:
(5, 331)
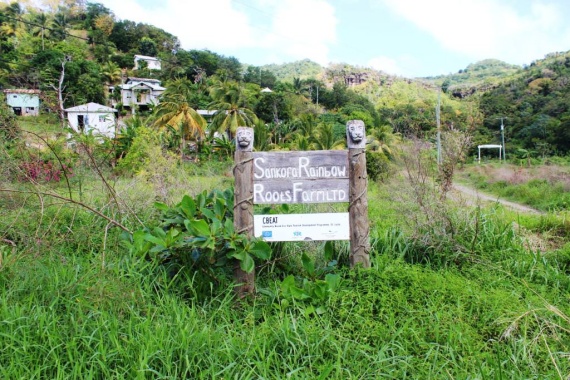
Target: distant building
(93, 117)
(139, 92)
(152, 63)
(208, 115)
(23, 102)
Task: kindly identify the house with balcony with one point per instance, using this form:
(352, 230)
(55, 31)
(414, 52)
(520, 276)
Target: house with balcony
(23, 102)
(139, 93)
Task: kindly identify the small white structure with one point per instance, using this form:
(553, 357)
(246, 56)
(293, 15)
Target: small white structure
(99, 119)
(490, 146)
(152, 63)
(139, 92)
(23, 102)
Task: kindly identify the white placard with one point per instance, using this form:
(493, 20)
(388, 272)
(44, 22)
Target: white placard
(301, 227)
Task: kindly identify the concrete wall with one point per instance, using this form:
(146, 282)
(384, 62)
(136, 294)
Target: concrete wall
(102, 123)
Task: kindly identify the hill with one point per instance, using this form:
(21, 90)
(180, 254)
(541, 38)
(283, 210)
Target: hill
(536, 103)
(476, 77)
(303, 69)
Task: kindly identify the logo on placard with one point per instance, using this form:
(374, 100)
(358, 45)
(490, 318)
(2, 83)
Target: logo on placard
(297, 234)
(266, 234)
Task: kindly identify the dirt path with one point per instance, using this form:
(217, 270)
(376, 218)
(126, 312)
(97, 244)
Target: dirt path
(475, 194)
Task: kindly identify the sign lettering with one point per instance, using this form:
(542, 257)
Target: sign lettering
(300, 177)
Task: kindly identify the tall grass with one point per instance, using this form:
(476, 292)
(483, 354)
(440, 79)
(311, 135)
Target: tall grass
(462, 296)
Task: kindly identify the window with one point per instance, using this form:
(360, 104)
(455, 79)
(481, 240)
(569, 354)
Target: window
(102, 118)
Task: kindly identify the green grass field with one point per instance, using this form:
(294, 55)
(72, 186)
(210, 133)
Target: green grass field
(454, 291)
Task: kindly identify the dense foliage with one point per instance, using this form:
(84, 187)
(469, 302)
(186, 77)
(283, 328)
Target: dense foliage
(536, 106)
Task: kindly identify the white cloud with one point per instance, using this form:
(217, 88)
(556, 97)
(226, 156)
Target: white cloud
(303, 29)
(212, 24)
(512, 31)
(283, 29)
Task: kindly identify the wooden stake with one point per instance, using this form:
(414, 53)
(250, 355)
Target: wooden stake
(243, 203)
(358, 206)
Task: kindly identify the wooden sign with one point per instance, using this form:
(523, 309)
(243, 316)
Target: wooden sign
(300, 177)
(302, 227)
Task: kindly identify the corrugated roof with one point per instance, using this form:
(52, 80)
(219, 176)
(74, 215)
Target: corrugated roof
(146, 57)
(21, 91)
(90, 107)
(148, 80)
(135, 84)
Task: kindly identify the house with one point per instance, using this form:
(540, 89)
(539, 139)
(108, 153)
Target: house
(23, 102)
(139, 92)
(152, 63)
(208, 115)
(92, 117)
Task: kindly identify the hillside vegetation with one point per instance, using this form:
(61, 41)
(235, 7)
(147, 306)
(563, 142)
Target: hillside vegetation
(119, 254)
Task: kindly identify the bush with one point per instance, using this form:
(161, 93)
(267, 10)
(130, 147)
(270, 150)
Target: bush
(378, 166)
(10, 132)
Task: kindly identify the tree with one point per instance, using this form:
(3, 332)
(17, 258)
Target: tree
(59, 26)
(325, 139)
(41, 29)
(147, 47)
(262, 77)
(111, 72)
(231, 106)
(175, 111)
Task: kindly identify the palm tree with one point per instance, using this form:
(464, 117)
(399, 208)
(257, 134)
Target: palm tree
(41, 22)
(175, 111)
(230, 104)
(59, 26)
(111, 73)
(382, 140)
(301, 143)
(325, 140)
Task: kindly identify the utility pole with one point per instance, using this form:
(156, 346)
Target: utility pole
(438, 120)
(503, 138)
(317, 95)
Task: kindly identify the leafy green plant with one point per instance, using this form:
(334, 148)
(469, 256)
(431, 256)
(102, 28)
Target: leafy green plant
(312, 292)
(198, 233)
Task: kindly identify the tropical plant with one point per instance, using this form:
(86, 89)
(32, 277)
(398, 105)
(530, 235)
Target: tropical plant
(111, 72)
(175, 111)
(325, 140)
(59, 25)
(198, 234)
(382, 140)
(231, 106)
(41, 28)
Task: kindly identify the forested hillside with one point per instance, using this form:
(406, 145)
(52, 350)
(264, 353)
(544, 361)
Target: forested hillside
(535, 105)
(75, 53)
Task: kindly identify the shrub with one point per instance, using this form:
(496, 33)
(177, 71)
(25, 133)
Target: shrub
(378, 166)
(197, 235)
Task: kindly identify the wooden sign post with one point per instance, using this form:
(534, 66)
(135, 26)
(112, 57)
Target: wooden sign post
(303, 177)
(243, 203)
(358, 206)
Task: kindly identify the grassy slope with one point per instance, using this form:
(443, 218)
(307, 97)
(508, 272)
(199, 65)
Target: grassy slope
(75, 305)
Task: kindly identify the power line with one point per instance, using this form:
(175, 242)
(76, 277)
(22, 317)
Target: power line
(46, 28)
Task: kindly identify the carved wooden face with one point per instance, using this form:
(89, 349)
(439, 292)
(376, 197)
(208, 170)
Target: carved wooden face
(356, 132)
(244, 137)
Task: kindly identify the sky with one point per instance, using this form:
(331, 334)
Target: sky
(409, 38)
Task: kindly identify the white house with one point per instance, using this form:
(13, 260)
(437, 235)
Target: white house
(152, 63)
(23, 102)
(139, 92)
(92, 117)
